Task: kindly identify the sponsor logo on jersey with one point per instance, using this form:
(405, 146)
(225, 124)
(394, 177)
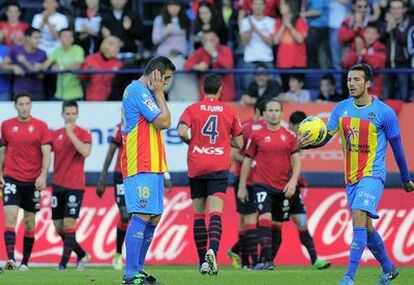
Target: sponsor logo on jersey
(209, 150)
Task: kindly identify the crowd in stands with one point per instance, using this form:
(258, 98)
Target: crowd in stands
(197, 35)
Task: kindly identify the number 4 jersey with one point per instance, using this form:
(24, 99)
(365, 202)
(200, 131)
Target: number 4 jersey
(212, 125)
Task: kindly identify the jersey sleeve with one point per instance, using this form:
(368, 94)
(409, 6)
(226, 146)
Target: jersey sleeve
(391, 127)
(294, 147)
(333, 122)
(145, 104)
(186, 117)
(251, 147)
(117, 137)
(87, 138)
(3, 136)
(236, 128)
(46, 137)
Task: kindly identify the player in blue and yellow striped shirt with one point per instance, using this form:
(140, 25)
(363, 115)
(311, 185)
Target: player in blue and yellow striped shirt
(144, 115)
(365, 125)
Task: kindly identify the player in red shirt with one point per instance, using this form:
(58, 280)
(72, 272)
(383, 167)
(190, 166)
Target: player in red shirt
(297, 211)
(214, 129)
(25, 156)
(246, 245)
(275, 150)
(71, 144)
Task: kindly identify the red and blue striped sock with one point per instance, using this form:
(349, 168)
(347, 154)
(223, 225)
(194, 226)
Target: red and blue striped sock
(200, 236)
(28, 242)
(68, 245)
(10, 241)
(215, 231)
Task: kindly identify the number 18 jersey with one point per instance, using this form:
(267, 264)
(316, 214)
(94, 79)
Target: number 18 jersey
(212, 125)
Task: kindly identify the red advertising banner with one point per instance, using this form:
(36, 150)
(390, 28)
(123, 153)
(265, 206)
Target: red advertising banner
(329, 157)
(328, 218)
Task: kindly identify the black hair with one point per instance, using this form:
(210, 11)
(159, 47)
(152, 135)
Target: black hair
(297, 117)
(330, 78)
(373, 26)
(298, 76)
(66, 30)
(30, 31)
(20, 95)
(216, 22)
(270, 101)
(211, 83)
(362, 67)
(182, 15)
(160, 63)
(259, 105)
(14, 4)
(69, 103)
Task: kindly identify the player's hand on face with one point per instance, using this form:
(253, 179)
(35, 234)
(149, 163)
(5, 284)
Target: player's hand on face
(40, 183)
(290, 189)
(304, 141)
(408, 186)
(242, 194)
(100, 188)
(69, 127)
(156, 82)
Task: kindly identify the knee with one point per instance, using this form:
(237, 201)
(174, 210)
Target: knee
(359, 218)
(124, 216)
(29, 224)
(68, 224)
(155, 220)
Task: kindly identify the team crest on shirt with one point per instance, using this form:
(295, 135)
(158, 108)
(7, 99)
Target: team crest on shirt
(371, 116)
(143, 203)
(60, 137)
(15, 129)
(31, 129)
(267, 139)
(151, 105)
(345, 113)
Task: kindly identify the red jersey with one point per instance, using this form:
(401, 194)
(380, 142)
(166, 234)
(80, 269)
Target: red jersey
(272, 151)
(212, 124)
(248, 127)
(14, 34)
(23, 141)
(117, 139)
(68, 163)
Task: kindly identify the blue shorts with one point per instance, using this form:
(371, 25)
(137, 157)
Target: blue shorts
(365, 195)
(144, 193)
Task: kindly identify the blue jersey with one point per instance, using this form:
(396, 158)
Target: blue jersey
(364, 132)
(142, 144)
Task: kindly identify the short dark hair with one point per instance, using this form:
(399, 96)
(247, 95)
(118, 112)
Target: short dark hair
(160, 63)
(373, 26)
(65, 30)
(20, 95)
(298, 76)
(211, 83)
(69, 103)
(13, 4)
(297, 117)
(330, 78)
(259, 105)
(30, 31)
(362, 67)
(271, 100)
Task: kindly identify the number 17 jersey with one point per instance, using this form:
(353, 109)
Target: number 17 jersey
(212, 125)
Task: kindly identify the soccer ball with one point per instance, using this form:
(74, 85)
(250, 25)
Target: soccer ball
(314, 126)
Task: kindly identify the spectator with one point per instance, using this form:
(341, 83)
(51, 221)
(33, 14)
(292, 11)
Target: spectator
(354, 25)
(256, 35)
(290, 35)
(338, 11)
(88, 26)
(171, 28)
(65, 58)
(213, 55)
(49, 22)
(218, 4)
(369, 50)
(13, 30)
(183, 86)
(4, 80)
(27, 58)
(100, 85)
(394, 30)
(246, 8)
(296, 93)
(262, 88)
(374, 10)
(317, 49)
(126, 26)
(327, 90)
(209, 19)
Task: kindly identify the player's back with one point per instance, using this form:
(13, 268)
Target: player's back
(212, 125)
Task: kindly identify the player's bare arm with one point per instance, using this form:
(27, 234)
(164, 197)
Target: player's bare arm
(290, 187)
(100, 186)
(2, 152)
(183, 133)
(237, 142)
(41, 180)
(83, 148)
(235, 155)
(244, 174)
(157, 83)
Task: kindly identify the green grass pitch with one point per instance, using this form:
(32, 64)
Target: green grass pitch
(188, 275)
